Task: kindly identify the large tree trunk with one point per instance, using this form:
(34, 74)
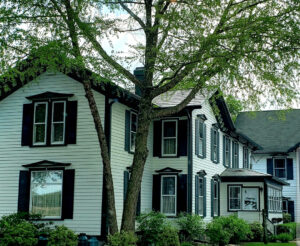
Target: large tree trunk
(107, 174)
(139, 160)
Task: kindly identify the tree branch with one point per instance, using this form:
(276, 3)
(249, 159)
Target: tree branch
(133, 15)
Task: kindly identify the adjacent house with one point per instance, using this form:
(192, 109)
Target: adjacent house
(278, 133)
(50, 160)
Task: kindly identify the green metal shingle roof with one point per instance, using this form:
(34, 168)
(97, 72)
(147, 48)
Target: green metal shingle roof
(276, 131)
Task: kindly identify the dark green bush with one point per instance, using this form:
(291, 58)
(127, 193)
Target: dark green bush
(289, 228)
(284, 237)
(122, 239)
(168, 237)
(62, 236)
(287, 218)
(16, 233)
(150, 226)
(257, 232)
(191, 227)
(223, 230)
(186, 244)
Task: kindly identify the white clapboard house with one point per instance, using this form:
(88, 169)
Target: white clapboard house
(50, 161)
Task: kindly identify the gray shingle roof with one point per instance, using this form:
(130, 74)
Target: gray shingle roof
(276, 131)
(232, 172)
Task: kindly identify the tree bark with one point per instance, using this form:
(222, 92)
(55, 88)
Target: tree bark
(139, 160)
(107, 174)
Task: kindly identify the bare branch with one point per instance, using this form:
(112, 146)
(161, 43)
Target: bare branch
(133, 15)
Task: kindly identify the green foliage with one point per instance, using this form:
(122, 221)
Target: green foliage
(150, 226)
(287, 218)
(289, 228)
(186, 244)
(168, 237)
(122, 239)
(257, 232)
(191, 226)
(234, 106)
(62, 236)
(18, 234)
(284, 237)
(223, 230)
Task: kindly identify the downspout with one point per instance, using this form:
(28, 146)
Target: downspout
(107, 131)
(190, 162)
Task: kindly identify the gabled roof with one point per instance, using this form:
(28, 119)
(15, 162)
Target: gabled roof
(277, 131)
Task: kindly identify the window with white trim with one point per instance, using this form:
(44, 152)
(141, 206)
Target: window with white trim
(168, 194)
(58, 124)
(201, 196)
(133, 128)
(235, 197)
(215, 145)
(285, 207)
(216, 198)
(201, 138)
(227, 151)
(169, 137)
(245, 157)
(46, 193)
(40, 123)
(274, 199)
(280, 167)
(235, 154)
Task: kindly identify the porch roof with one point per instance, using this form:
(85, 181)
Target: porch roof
(242, 174)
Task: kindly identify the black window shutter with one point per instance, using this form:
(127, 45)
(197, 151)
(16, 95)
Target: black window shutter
(68, 194)
(204, 197)
(71, 126)
(218, 147)
(182, 193)
(238, 155)
(270, 166)
(24, 191)
(291, 209)
(212, 144)
(212, 197)
(157, 138)
(289, 166)
(197, 137)
(127, 130)
(156, 193)
(224, 142)
(126, 179)
(182, 137)
(204, 140)
(27, 125)
(196, 194)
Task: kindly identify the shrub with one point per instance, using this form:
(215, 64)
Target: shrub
(186, 244)
(287, 218)
(15, 233)
(122, 239)
(257, 232)
(223, 230)
(289, 228)
(191, 227)
(284, 237)
(168, 237)
(150, 226)
(62, 236)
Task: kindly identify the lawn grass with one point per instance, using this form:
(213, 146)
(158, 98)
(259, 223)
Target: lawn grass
(269, 244)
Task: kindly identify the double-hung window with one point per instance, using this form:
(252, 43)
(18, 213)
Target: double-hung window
(214, 145)
(201, 196)
(243, 198)
(245, 157)
(168, 194)
(200, 138)
(169, 137)
(235, 154)
(133, 128)
(280, 167)
(226, 154)
(46, 193)
(235, 197)
(58, 122)
(215, 198)
(40, 123)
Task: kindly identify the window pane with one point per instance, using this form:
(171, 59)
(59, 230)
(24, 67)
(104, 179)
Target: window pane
(58, 111)
(234, 192)
(169, 186)
(280, 173)
(201, 130)
(39, 133)
(133, 122)
(279, 163)
(169, 128)
(132, 140)
(168, 204)
(250, 198)
(216, 206)
(201, 147)
(170, 146)
(40, 113)
(58, 132)
(235, 204)
(46, 192)
(216, 190)
(201, 187)
(200, 208)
